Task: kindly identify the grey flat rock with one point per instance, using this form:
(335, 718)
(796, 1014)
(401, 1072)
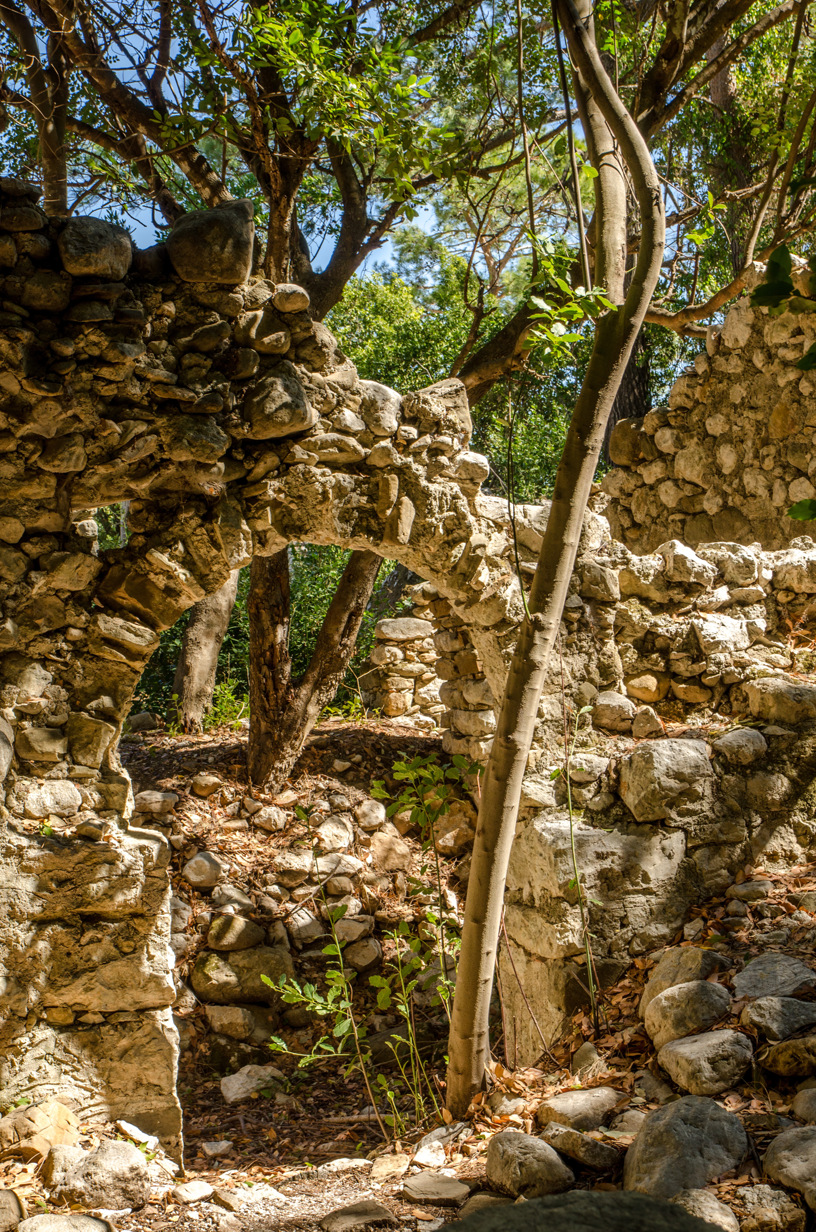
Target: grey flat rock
(684, 1145)
(436, 1189)
(773, 975)
(582, 1211)
(358, 1215)
(778, 1017)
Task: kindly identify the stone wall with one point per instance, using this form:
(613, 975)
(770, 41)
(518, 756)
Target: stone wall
(696, 754)
(401, 679)
(208, 399)
(733, 449)
(233, 425)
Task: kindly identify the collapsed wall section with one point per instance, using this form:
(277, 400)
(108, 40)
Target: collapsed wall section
(734, 447)
(685, 701)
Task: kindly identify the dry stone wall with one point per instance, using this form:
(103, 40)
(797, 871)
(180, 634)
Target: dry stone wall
(206, 397)
(733, 449)
(695, 754)
(401, 679)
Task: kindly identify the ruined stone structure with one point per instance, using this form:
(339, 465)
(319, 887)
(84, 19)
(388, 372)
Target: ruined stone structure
(206, 397)
(734, 447)
(209, 400)
(401, 680)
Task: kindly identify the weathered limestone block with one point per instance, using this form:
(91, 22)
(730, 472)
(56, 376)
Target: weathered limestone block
(278, 406)
(213, 245)
(95, 248)
(661, 775)
(123, 1067)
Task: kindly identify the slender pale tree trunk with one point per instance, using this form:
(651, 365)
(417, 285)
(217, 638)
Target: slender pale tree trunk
(615, 144)
(194, 681)
(283, 711)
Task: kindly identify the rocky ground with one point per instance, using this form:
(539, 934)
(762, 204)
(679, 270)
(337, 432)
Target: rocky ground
(696, 1083)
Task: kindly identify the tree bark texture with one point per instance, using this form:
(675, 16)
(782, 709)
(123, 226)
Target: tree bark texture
(194, 680)
(613, 140)
(284, 711)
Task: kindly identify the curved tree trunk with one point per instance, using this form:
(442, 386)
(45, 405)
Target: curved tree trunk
(194, 680)
(613, 140)
(282, 712)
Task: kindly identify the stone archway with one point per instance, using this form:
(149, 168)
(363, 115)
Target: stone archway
(231, 423)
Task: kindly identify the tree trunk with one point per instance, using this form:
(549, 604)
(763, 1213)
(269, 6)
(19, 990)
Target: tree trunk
(612, 138)
(198, 660)
(282, 711)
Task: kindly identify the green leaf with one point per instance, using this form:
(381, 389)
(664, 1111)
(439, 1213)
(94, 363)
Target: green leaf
(779, 263)
(808, 361)
(803, 510)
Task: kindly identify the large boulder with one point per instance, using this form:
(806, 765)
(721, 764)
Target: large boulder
(95, 248)
(709, 1063)
(683, 1145)
(660, 775)
(519, 1164)
(583, 1211)
(115, 1175)
(685, 1009)
(214, 245)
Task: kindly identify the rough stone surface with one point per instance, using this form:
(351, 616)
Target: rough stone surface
(213, 245)
(791, 1160)
(114, 1175)
(361, 1215)
(773, 975)
(582, 1211)
(704, 1204)
(435, 1189)
(707, 1064)
(680, 965)
(12, 1210)
(231, 932)
(792, 1058)
(227, 979)
(684, 1145)
(770, 1210)
(580, 1147)
(778, 1017)
(95, 248)
(519, 1164)
(64, 1223)
(662, 774)
(581, 1110)
(685, 1009)
(248, 1081)
(203, 870)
